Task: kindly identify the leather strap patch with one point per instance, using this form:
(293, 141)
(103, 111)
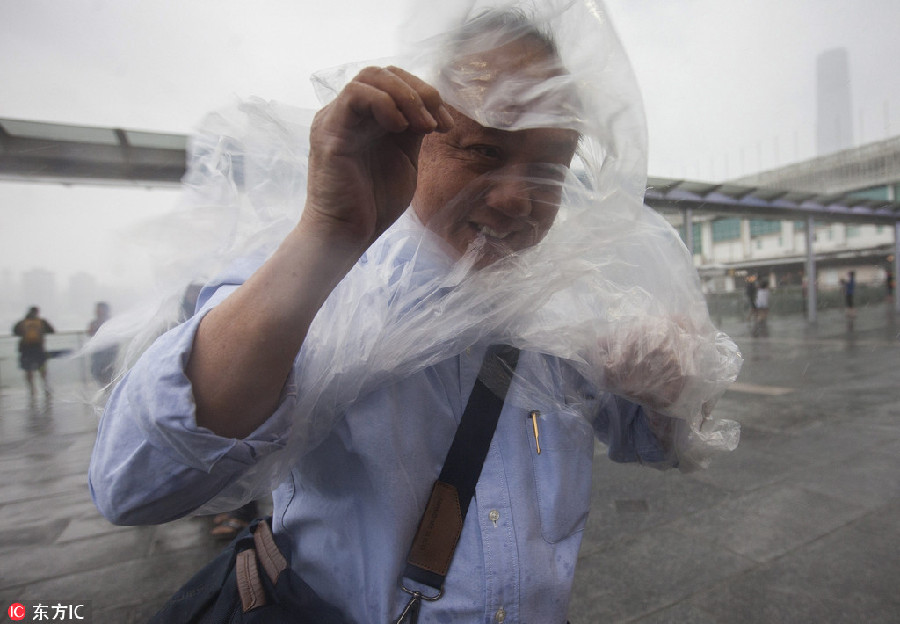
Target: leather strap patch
(249, 586)
(270, 557)
(438, 532)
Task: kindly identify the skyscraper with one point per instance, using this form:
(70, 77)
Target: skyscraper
(834, 125)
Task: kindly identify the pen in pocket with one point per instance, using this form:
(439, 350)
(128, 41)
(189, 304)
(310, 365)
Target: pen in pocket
(534, 415)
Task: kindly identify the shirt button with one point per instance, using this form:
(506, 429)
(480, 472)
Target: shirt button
(494, 516)
(501, 615)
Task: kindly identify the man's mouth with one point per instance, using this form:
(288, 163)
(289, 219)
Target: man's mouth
(490, 232)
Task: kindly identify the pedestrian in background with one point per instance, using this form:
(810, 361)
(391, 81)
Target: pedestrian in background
(849, 290)
(32, 353)
(760, 326)
(103, 360)
(751, 298)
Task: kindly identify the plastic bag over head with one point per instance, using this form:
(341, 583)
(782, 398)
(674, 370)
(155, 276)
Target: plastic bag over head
(527, 228)
(556, 249)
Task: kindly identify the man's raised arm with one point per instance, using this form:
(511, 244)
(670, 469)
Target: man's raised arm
(362, 175)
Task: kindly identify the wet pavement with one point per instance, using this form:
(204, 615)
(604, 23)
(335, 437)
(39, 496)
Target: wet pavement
(800, 524)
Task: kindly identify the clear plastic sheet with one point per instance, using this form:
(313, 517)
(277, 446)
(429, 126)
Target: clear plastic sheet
(244, 189)
(589, 275)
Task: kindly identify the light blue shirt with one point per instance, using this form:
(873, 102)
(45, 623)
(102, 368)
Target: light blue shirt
(352, 502)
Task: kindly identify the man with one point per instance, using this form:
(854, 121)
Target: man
(220, 404)
(32, 355)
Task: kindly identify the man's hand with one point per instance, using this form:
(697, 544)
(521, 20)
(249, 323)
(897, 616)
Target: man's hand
(362, 175)
(647, 362)
(364, 148)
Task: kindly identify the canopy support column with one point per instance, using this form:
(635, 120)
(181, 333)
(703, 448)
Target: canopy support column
(896, 265)
(689, 229)
(811, 288)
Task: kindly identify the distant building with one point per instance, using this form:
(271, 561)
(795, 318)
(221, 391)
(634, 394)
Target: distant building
(871, 171)
(834, 118)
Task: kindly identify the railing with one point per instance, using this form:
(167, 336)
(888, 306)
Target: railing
(68, 368)
(787, 300)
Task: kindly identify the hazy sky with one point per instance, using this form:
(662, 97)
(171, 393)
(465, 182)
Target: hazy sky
(729, 87)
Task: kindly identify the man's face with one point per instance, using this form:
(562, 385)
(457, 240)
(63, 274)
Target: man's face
(500, 188)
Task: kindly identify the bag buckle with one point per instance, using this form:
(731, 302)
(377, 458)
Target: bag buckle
(411, 610)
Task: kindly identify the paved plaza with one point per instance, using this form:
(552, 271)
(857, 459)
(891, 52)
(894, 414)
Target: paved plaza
(800, 524)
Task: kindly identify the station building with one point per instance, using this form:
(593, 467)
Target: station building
(729, 246)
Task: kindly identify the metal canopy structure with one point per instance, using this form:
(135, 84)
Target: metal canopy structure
(759, 201)
(33, 151)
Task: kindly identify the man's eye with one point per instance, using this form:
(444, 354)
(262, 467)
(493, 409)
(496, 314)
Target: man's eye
(486, 151)
(548, 172)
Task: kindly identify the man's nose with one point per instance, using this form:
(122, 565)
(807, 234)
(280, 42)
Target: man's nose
(509, 192)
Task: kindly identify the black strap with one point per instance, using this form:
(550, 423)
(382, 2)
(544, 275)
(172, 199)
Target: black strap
(438, 532)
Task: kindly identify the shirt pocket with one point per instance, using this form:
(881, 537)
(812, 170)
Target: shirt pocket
(562, 473)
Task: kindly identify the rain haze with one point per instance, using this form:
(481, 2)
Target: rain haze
(795, 525)
(729, 89)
